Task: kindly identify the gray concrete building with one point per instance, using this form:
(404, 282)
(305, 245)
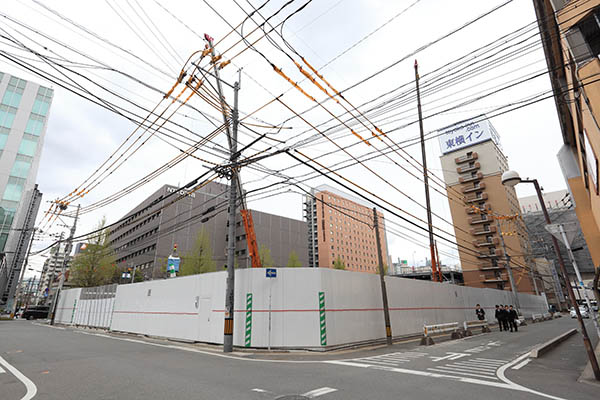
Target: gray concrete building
(146, 237)
(561, 210)
(51, 271)
(24, 108)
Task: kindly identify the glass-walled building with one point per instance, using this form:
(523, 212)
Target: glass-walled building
(23, 119)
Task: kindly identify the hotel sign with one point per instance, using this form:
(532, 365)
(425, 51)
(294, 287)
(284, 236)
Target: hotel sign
(467, 134)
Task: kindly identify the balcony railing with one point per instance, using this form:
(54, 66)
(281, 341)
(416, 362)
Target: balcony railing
(490, 268)
(485, 207)
(486, 243)
(480, 220)
(483, 196)
(495, 280)
(474, 188)
(467, 179)
(497, 253)
(464, 159)
(491, 229)
(468, 168)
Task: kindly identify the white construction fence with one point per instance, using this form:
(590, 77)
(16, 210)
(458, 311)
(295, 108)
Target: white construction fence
(309, 307)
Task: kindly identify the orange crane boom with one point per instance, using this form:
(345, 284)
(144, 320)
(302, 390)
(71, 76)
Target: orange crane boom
(251, 237)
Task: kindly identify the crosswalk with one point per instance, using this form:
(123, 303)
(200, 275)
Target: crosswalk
(390, 359)
(484, 368)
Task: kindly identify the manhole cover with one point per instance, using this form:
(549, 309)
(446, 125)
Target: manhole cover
(292, 397)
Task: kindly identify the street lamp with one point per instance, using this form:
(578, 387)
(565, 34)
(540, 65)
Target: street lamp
(511, 179)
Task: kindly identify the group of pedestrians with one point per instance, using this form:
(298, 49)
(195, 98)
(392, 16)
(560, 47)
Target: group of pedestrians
(507, 318)
(505, 315)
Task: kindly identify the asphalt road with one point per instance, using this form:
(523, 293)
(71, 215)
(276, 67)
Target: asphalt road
(51, 363)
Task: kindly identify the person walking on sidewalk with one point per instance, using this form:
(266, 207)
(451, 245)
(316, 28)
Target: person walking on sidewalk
(504, 317)
(498, 316)
(480, 312)
(512, 317)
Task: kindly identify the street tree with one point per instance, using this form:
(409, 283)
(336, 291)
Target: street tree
(339, 263)
(293, 260)
(199, 260)
(95, 264)
(265, 256)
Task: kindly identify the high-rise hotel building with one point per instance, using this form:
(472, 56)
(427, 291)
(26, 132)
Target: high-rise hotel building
(341, 226)
(473, 163)
(24, 108)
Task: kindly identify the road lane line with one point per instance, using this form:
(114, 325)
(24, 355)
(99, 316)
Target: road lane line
(29, 385)
(2, 371)
(389, 363)
(504, 379)
(522, 364)
(319, 392)
(475, 366)
(466, 369)
(439, 369)
(486, 363)
(492, 360)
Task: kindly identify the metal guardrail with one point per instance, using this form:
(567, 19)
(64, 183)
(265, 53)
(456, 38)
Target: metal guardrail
(536, 317)
(546, 316)
(483, 324)
(429, 330)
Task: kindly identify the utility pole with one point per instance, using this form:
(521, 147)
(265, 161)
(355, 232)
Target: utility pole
(426, 178)
(22, 273)
(386, 307)
(63, 269)
(511, 278)
(233, 184)
(51, 278)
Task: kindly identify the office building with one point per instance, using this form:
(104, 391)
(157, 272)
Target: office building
(570, 32)
(561, 210)
(340, 227)
(473, 163)
(148, 233)
(53, 266)
(24, 108)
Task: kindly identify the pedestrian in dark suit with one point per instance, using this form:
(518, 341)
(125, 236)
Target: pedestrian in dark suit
(512, 317)
(480, 312)
(504, 317)
(498, 315)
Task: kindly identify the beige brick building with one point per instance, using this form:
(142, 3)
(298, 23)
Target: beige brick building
(340, 225)
(473, 164)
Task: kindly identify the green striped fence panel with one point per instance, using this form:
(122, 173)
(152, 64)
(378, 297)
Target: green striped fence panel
(248, 338)
(323, 325)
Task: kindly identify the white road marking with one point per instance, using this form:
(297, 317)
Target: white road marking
(441, 369)
(522, 364)
(2, 371)
(449, 356)
(29, 385)
(261, 390)
(319, 392)
(425, 373)
(388, 363)
(492, 360)
(481, 362)
(466, 369)
(475, 366)
(515, 386)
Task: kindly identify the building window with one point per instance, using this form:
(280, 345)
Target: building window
(21, 166)
(7, 116)
(14, 188)
(14, 91)
(28, 145)
(591, 160)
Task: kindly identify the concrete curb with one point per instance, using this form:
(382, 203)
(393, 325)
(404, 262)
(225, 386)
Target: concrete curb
(543, 348)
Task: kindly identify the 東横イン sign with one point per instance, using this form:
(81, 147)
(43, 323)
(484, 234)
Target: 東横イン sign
(467, 134)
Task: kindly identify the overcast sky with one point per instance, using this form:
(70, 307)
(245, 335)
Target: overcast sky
(121, 51)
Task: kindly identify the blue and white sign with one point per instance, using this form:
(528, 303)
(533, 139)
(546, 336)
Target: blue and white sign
(271, 273)
(173, 264)
(467, 134)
